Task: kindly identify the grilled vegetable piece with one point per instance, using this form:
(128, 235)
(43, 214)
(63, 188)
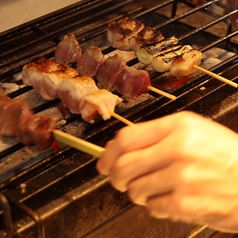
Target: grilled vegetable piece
(163, 62)
(146, 54)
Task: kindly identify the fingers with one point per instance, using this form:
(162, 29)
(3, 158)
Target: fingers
(193, 208)
(175, 168)
(172, 206)
(108, 157)
(138, 151)
(138, 163)
(133, 138)
(153, 184)
(159, 206)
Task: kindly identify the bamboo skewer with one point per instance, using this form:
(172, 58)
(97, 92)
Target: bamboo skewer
(83, 145)
(122, 119)
(78, 143)
(216, 76)
(156, 90)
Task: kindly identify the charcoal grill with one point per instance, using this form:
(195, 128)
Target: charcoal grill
(60, 194)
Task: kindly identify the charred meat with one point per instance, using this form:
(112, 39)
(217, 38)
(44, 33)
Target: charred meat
(17, 120)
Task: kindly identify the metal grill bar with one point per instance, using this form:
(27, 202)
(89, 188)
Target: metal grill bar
(210, 24)
(88, 21)
(38, 222)
(51, 21)
(7, 215)
(48, 32)
(42, 24)
(175, 18)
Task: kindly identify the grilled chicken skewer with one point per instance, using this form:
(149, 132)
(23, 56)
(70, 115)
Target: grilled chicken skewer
(179, 60)
(79, 93)
(112, 72)
(127, 80)
(163, 55)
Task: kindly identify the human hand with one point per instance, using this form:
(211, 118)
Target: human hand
(181, 166)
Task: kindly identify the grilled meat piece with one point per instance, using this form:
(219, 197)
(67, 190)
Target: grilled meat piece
(131, 82)
(68, 50)
(179, 62)
(17, 120)
(147, 36)
(163, 62)
(108, 71)
(89, 62)
(72, 90)
(81, 95)
(45, 76)
(183, 64)
(99, 102)
(36, 130)
(11, 111)
(128, 81)
(120, 33)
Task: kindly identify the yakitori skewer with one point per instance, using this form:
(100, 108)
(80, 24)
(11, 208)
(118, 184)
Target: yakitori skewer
(79, 93)
(163, 54)
(18, 121)
(111, 72)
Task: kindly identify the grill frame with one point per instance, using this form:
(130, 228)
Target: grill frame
(81, 167)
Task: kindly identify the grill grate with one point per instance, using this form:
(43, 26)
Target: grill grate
(53, 174)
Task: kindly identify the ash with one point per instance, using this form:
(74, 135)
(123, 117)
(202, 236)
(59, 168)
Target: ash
(9, 87)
